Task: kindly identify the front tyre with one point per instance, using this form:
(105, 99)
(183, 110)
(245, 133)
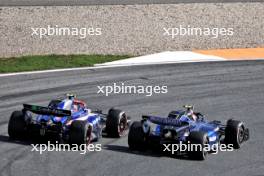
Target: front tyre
(17, 125)
(116, 123)
(234, 133)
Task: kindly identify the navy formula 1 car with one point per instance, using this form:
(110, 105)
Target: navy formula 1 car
(67, 120)
(187, 127)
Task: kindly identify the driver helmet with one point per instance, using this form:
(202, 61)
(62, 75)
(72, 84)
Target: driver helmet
(71, 96)
(189, 112)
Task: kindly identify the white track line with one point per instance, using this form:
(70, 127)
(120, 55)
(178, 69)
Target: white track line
(165, 57)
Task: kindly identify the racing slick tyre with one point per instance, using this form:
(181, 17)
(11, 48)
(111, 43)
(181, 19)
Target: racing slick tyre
(234, 133)
(17, 125)
(137, 139)
(80, 133)
(116, 123)
(200, 138)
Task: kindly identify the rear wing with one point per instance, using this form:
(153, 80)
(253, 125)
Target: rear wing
(46, 111)
(163, 121)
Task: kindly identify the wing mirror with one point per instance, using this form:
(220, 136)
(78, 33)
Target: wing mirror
(98, 111)
(200, 116)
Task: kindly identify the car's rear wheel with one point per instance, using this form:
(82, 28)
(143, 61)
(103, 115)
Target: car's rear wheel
(80, 133)
(234, 133)
(199, 141)
(116, 123)
(137, 138)
(17, 125)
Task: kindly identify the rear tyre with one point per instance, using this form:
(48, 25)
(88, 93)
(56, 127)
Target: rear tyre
(137, 139)
(116, 123)
(17, 125)
(200, 138)
(234, 133)
(80, 133)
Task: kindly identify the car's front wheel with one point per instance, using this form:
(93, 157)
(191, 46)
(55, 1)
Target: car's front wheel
(234, 133)
(116, 123)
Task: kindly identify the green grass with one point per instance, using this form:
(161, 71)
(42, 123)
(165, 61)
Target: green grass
(31, 63)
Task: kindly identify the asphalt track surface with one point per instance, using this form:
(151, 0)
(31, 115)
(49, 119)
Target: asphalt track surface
(108, 2)
(221, 90)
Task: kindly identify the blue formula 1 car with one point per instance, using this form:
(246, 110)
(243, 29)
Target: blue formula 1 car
(67, 120)
(186, 127)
